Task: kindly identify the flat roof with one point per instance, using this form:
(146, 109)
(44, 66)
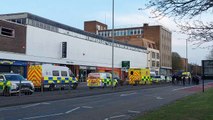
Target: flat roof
(63, 26)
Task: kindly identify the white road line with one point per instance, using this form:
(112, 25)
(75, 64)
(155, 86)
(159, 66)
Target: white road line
(42, 116)
(159, 98)
(156, 97)
(87, 107)
(132, 111)
(113, 117)
(182, 88)
(31, 105)
(72, 110)
(36, 104)
(123, 95)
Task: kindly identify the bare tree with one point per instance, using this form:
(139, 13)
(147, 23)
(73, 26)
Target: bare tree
(198, 31)
(210, 55)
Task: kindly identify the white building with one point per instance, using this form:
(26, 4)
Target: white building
(42, 43)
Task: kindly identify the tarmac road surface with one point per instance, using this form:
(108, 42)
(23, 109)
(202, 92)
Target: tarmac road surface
(111, 106)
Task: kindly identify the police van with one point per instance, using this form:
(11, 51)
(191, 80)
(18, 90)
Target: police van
(51, 76)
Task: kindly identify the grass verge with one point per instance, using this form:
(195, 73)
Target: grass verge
(196, 107)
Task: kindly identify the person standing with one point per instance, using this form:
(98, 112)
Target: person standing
(184, 80)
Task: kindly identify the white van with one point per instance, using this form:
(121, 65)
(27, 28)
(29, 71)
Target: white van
(50, 76)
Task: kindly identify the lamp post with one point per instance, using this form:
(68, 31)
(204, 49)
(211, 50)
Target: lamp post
(186, 63)
(112, 42)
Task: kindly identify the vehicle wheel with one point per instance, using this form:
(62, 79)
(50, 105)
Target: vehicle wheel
(104, 85)
(28, 93)
(52, 87)
(6, 92)
(90, 87)
(62, 88)
(74, 86)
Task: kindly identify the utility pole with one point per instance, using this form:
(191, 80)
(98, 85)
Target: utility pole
(112, 42)
(186, 62)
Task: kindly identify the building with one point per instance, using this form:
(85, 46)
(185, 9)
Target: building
(27, 39)
(153, 37)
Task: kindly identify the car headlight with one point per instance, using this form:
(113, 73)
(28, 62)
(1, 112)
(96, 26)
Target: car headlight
(14, 86)
(32, 84)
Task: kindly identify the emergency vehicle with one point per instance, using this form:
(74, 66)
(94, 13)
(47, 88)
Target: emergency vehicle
(101, 80)
(51, 77)
(11, 83)
(139, 76)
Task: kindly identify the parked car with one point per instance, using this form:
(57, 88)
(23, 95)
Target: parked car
(14, 83)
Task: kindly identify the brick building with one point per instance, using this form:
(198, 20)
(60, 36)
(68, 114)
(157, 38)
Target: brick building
(153, 37)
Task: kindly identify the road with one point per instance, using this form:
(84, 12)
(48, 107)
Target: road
(111, 106)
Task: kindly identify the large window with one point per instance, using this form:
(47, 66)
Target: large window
(7, 32)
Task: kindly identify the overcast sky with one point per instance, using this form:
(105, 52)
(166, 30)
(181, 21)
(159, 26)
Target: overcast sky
(75, 12)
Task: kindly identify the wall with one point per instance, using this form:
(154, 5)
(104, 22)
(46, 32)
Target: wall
(13, 44)
(46, 46)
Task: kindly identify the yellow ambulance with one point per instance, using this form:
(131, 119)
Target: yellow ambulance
(139, 76)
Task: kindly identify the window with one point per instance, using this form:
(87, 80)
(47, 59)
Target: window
(7, 32)
(153, 63)
(1, 78)
(158, 64)
(64, 73)
(158, 56)
(55, 73)
(153, 54)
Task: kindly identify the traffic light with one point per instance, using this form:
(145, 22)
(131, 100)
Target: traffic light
(64, 49)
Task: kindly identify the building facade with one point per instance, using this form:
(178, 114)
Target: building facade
(157, 38)
(42, 43)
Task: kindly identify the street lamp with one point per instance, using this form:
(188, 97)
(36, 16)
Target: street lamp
(112, 42)
(186, 63)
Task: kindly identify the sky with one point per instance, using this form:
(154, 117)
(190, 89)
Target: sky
(75, 12)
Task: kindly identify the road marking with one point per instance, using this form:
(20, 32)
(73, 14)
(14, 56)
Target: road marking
(159, 98)
(156, 97)
(4, 109)
(72, 110)
(182, 88)
(123, 95)
(42, 116)
(113, 117)
(87, 107)
(33, 105)
(132, 111)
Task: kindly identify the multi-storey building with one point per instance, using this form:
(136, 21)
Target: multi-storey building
(27, 39)
(153, 37)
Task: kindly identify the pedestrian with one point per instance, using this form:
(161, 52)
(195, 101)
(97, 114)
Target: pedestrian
(184, 80)
(189, 80)
(173, 79)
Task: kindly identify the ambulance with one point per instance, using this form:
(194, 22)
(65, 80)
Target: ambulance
(101, 80)
(51, 77)
(139, 76)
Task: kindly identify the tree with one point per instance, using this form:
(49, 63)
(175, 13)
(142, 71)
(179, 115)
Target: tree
(198, 31)
(176, 62)
(210, 55)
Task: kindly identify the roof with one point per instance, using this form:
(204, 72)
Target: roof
(63, 26)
